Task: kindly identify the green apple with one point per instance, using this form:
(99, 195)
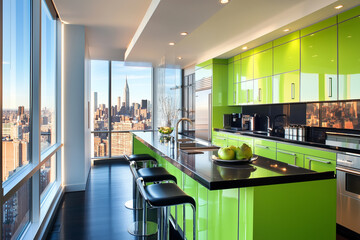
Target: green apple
(243, 152)
(226, 153)
(233, 147)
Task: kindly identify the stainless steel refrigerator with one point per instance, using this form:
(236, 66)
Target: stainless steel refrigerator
(203, 104)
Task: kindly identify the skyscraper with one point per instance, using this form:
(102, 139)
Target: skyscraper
(20, 110)
(94, 98)
(118, 104)
(126, 96)
(143, 104)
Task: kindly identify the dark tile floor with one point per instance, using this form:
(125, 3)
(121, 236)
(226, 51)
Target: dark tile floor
(99, 212)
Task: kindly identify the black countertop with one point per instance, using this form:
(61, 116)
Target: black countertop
(215, 176)
(300, 141)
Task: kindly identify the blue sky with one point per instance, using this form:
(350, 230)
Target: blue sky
(139, 81)
(16, 55)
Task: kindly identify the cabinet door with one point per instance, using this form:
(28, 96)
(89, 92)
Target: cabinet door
(290, 157)
(247, 68)
(232, 141)
(263, 64)
(286, 87)
(319, 164)
(287, 57)
(319, 66)
(265, 151)
(349, 59)
(245, 90)
(219, 141)
(263, 90)
(231, 92)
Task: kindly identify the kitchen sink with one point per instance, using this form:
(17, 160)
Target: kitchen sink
(196, 146)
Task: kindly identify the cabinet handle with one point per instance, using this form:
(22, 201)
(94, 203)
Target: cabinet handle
(259, 94)
(330, 86)
(348, 171)
(261, 146)
(316, 160)
(292, 90)
(291, 154)
(233, 139)
(221, 138)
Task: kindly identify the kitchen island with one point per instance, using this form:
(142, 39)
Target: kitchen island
(266, 199)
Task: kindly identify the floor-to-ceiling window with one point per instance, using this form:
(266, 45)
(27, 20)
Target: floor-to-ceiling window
(121, 102)
(30, 115)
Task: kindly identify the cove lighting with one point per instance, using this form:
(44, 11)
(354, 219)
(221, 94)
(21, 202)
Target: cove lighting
(171, 43)
(338, 7)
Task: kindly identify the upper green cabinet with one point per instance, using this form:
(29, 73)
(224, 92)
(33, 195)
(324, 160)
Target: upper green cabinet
(231, 92)
(263, 90)
(349, 59)
(319, 65)
(245, 90)
(286, 87)
(263, 64)
(247, 68)
(287, 57)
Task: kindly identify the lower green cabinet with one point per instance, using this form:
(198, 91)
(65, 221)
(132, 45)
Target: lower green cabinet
(286, 87)
(219, 141)
(265, 148)
(223, 214)
(232, 141)
(288, 157)
(319, 164)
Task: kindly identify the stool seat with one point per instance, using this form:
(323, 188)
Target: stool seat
(167, 194)
(155, 174)
(140, 157)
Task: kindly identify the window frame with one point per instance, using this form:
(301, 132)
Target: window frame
(110, 131)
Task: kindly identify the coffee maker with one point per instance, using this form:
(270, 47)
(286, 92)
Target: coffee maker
(233, 121)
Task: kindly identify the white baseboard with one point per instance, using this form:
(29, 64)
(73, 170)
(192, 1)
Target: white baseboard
(75, 187)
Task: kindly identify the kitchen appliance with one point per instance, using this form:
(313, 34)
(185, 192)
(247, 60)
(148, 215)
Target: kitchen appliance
(246, 122)
(348, 191)
(203, 106)
(236, 121)
(227, 121)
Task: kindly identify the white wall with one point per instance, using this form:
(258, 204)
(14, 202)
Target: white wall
(76, 135)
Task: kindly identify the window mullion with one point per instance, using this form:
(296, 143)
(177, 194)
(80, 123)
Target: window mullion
(109, 110)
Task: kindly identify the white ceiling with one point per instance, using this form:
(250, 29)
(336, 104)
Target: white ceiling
(137, 30)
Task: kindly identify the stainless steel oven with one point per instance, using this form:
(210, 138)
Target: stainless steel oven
(348, 191)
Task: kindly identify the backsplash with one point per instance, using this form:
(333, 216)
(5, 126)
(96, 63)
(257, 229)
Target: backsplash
(339, 115)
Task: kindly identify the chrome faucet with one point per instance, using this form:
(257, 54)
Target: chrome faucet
(177, 127)
(268, 125)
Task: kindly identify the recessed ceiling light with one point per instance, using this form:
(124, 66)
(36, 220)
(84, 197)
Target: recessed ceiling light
(244, 48)
(287, 29)
(183, 33)
(179, 58)
(338, 7)
(224, 1)
(171, 43)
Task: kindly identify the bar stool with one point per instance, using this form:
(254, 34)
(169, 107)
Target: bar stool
(139, 158)
(149, 175)
(164, 196)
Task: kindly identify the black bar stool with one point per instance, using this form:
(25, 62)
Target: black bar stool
(164, 196)
(138, 158)
(149, 175)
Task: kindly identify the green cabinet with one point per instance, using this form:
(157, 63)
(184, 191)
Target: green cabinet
(223, 207)
(263, 63)
(289, 157)
(219, 141)
(232, 141)
(287, 57)
(319, 164)
(286, 87)
(247, 68)
(245, 90)
(230, 91)
(349, 59)
(319, 66)
(263, 90)
(265, 148)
